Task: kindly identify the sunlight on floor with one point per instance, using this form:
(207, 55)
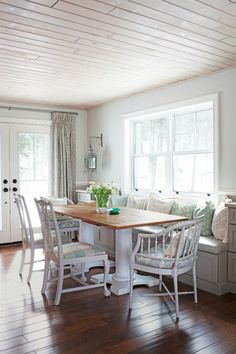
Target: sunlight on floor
(9, 270)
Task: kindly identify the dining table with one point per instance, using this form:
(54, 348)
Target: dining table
(122, 225)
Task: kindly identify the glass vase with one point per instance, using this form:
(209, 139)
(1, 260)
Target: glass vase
(102, 204)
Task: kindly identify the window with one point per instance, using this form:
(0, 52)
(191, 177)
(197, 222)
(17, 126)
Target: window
(34, 168)
(173, 151)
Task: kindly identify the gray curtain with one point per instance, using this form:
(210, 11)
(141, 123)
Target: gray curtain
(63, 154)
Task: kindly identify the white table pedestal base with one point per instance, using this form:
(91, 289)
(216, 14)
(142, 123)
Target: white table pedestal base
(120, 279)
(122, 287)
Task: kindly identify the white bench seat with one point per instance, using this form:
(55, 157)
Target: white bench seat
(211, 245)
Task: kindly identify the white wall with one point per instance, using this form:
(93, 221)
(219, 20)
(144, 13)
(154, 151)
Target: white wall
(81, 133)
(81, 147)
(107, 119)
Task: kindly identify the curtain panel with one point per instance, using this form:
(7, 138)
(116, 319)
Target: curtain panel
(63, 154)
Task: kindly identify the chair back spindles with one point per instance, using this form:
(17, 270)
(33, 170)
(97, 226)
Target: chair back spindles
(49, 226)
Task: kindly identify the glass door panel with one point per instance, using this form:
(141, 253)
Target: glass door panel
(34, 152)
(25, 156)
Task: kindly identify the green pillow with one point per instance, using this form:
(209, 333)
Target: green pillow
(183, 210)
(208, 211)
(119, 200)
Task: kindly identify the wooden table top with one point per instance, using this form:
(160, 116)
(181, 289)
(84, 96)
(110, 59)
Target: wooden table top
(128, 217)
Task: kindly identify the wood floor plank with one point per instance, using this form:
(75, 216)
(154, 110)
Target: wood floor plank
(87, 323)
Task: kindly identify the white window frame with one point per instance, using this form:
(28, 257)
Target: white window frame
(127, 182)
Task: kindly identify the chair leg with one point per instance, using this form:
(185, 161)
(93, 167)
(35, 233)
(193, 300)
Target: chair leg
(160, 282)
(83, 277)
(31, 264)
(107, 292)
(59, 285)
(176, 295)
(195, 283)
(22, 257)
(131, 288)
(45, 275)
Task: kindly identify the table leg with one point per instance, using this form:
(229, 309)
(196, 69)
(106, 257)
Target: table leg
(86, 232)
(121, 277)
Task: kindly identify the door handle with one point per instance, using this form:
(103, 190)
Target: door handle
(5, 189)
(14, 189)
(14, 180)
(5, 181)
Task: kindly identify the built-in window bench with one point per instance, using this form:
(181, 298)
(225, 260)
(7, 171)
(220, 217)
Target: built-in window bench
(216, 262)
(211, 266)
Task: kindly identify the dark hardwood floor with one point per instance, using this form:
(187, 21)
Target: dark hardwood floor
(86, 322)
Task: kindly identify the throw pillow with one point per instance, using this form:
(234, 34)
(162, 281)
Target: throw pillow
(220, 223)
(207, 210)
(183, 210)
(57, 201)
(136, 202)
(119, 200)
(173, 246)
(160, 205)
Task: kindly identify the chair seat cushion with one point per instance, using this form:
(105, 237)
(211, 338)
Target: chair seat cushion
(157, 260)
(80, 249)
(211, 245)
(152, 229)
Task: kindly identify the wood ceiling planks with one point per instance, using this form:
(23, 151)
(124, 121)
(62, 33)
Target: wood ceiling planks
(119, 46)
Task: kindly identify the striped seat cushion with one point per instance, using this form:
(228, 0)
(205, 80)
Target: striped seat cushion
(157, 260)
(80, 249)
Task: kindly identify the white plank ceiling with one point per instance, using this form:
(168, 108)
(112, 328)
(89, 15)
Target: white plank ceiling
(81, 53)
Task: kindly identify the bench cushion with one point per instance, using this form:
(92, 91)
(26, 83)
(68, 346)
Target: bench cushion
(211, 245)
(149, 229)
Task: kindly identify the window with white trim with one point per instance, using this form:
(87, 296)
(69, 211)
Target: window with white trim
(173, 151)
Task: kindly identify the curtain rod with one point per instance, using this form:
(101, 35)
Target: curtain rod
(10, 108)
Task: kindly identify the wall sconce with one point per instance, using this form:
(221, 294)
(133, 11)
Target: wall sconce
(91, 158)
(99, 139)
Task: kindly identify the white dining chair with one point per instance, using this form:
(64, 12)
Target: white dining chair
(170, 252)
(67, 224)
(68, 255)
(30, 240)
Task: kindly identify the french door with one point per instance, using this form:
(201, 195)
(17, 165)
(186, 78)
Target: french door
(25, 169)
